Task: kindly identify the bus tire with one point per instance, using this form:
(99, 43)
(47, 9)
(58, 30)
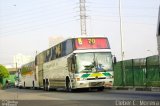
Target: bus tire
(47, 85)
(20, 87)
(33, 86)
(68, 85)
(24, 86)
(44, 85)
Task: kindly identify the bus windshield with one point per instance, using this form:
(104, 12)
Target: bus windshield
(94, 62)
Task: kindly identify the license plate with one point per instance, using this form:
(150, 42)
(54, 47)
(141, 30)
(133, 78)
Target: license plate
(96, 84)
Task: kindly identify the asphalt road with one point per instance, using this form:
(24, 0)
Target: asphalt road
(30, 97)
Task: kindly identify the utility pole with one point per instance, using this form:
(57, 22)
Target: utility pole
(121, 36)
(83, 17)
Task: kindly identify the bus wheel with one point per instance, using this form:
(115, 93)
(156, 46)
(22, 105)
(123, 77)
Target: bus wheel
(24, 85)
(44, 85)
(33, 85)
(47, 85)
(68, 85)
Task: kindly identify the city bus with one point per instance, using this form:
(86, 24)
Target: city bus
(82, 62)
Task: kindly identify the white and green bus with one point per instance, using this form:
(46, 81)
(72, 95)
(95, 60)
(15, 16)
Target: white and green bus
(83, 62)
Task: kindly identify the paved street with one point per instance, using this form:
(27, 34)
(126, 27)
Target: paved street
(30, 94)
(76, 97)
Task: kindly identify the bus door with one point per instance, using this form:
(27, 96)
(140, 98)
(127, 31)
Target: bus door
(71, 65)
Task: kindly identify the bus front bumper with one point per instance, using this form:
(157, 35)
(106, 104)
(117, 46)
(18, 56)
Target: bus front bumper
(92, 83)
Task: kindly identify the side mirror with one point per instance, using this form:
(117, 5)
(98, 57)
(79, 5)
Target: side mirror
(73, 59)
(114, 60)
(73, 63)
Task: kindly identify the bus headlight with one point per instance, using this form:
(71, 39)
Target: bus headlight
(80, 79)
(77, 79)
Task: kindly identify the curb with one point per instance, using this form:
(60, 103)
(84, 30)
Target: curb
(153, 89)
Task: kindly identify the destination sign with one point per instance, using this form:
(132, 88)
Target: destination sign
(91, 43)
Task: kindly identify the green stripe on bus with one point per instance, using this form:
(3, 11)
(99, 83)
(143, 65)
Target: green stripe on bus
(85, 75)
(107, 74)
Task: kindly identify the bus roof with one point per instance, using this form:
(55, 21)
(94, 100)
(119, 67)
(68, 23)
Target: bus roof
(76, 37)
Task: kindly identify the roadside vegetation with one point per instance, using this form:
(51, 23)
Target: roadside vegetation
(3, 74)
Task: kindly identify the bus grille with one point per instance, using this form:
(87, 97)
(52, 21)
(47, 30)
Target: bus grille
(96, 78)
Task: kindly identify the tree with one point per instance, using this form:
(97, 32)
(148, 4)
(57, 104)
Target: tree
(3, 72)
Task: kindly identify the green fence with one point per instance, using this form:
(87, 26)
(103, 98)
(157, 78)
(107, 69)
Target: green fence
(138, 72)
(139, 68)
(118, 77)
(153, 71)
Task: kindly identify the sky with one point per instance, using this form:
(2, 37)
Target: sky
(26, 25)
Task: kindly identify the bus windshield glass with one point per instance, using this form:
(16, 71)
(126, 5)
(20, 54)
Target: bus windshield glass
(94, 62)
